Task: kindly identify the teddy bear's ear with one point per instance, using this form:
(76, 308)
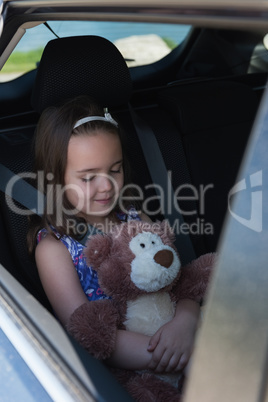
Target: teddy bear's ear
(97, 249)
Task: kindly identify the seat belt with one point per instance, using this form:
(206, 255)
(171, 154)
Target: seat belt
(161, 178)
(21, 191)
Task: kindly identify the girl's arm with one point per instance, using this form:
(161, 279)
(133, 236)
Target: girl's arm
(169, 349)
(172, 344)
(59, 278)
(63, 289)
(131, 351)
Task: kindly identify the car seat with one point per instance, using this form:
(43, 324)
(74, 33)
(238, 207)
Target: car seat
(69, 67)
(92, 65)
(214, 119)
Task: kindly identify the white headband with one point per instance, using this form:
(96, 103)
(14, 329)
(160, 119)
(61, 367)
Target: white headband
(107, 117)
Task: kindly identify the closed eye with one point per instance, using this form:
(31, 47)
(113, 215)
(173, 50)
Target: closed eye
(87, 179)
(117, 170)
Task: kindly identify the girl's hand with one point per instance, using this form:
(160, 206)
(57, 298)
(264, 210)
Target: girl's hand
(172, 344)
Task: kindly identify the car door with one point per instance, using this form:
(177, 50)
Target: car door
(230, 362)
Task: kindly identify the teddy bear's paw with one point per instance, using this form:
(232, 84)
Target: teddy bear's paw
(94, 325)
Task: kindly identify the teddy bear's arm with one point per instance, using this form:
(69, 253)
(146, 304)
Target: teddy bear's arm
(94, 326)
(194, 278)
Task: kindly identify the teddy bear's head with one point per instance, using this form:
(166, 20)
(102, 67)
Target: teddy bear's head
(134, 258)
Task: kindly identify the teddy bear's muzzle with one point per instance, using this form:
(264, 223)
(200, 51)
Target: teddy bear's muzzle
(164, 258)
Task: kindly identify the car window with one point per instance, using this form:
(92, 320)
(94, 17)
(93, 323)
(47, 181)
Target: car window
(17, 380)
(140, 43)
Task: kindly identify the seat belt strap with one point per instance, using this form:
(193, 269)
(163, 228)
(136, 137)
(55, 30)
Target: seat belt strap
(14, 186)
(21, 191)
(161, 178)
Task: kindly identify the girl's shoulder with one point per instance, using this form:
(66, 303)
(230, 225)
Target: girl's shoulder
(49, 249)
(72, 245)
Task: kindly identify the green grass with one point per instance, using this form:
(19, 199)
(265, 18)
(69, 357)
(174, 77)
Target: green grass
(170, 43)
(22, 61)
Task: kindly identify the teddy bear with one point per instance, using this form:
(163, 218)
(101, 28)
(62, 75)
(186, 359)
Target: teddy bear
(139, 269)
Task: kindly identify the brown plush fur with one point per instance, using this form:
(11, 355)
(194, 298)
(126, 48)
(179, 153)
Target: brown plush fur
(98, 316)
(148, 388)
(194, 278)
(94, 324)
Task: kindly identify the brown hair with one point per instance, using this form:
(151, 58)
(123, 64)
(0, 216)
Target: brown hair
(53, 133)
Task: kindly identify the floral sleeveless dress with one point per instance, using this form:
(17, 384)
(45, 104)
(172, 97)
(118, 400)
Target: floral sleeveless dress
(87, 276)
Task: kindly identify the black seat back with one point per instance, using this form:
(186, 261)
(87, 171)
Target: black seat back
(214, 119)
(16, 154)
(84, 65)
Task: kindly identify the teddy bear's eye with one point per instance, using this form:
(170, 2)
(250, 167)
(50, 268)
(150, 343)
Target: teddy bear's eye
(153, 242)
(142, 245)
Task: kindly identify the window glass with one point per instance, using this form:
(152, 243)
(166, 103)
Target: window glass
(17, 381)
(140, 43)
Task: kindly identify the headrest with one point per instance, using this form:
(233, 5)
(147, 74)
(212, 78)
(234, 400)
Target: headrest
(81, 65)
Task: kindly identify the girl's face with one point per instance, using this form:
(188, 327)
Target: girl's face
(94, 174)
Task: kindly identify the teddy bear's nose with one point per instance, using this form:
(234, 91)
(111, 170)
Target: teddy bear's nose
(164, 258)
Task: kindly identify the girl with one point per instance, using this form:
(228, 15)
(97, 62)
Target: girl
(79, 151)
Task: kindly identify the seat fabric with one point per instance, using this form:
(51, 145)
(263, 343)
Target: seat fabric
(214, 119)
(81, 65)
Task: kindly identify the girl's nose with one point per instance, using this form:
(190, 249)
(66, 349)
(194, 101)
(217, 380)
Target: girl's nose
(105, 183)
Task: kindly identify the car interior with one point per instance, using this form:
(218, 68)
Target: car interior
(197, 107)
(186, 121)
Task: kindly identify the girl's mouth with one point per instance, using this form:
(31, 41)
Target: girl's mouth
(104, 201)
